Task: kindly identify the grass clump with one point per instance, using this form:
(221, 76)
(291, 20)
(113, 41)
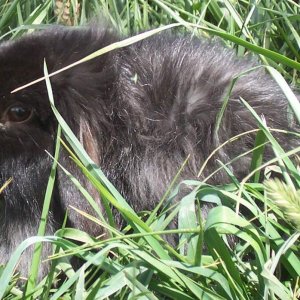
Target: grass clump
(286, 198)
(264, 217)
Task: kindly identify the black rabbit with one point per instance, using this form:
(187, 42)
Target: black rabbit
(139, 112)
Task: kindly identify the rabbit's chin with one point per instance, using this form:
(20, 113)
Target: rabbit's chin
(18, 231)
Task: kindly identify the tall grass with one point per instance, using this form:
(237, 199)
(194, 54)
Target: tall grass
(136, 262)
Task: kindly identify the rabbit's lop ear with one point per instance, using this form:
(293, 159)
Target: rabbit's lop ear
(69, 194)
(82, 97)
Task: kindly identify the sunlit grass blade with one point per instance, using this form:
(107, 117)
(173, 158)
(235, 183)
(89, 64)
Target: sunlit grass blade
(44, 218)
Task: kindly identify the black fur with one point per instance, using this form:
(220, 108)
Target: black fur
(139, 111)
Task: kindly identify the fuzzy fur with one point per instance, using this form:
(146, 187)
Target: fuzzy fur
(139, 111)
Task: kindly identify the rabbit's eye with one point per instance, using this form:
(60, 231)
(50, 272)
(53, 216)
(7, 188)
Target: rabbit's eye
(18, 114)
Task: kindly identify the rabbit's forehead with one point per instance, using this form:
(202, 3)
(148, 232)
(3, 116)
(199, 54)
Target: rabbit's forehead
(20, 63)
(16, 71)
(12, 77)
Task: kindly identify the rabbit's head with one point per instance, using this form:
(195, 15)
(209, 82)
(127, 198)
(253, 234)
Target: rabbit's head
(28, 128)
